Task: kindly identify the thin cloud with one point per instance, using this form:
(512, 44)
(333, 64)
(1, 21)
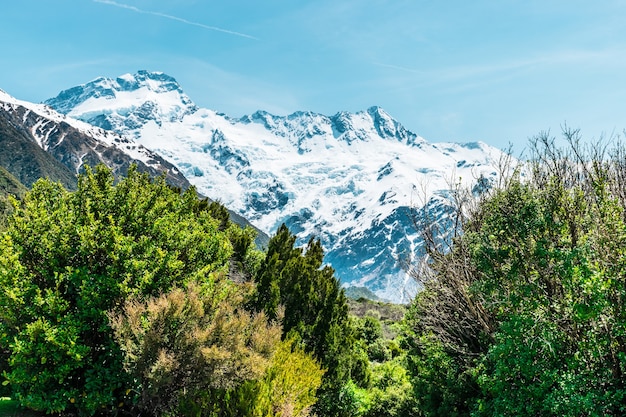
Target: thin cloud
(178, 19)
(489, 72)
(398, 67)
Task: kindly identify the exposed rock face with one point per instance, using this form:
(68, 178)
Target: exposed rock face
(38, 136)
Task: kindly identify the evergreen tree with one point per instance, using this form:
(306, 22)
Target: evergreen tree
(314, 309)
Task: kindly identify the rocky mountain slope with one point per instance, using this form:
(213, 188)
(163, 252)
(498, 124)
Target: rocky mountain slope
(23, 157)
(351, 179)
(38, 141)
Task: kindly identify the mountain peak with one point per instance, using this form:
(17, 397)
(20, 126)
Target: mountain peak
(156, 81)
(377, 110)
(130, 101)
(349, 179)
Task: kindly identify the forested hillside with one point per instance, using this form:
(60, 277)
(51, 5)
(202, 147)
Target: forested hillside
(26, 160)
(9, 186)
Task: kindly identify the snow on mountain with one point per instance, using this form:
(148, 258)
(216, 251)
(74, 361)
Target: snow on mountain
(159, 95)
(74, 143)
(350, 179)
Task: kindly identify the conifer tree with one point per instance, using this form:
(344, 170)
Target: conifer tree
(314, 309)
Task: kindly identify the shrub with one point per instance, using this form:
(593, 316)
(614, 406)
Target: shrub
(525, 314)
(187, 341)
(287, 389)
(68, 258)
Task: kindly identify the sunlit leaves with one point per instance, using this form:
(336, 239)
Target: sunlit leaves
(68, 258)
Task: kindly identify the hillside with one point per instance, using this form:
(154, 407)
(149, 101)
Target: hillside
(25, 159)
(388, 314)
(9, 185)
(74, 144)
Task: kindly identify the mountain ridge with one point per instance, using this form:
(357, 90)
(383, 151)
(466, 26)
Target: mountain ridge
(77, 100)
(39, 142)
(74, 143)
(350, 179)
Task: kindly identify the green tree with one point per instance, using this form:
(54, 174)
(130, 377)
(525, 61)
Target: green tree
(549, 274)
(68, 258)
(527, 308)
(370, 331)
(391, 390)
(314, 309)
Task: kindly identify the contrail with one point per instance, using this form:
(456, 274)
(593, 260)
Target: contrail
(178, 19)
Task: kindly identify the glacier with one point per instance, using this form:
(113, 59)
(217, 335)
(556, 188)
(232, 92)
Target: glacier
(352, 180)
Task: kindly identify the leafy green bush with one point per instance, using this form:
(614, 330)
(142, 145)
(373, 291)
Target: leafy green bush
(370, 329)
(525, 315)
(391, 393)
(442, 385)
(347, 400)
(552, 276)
(68, 258)
(288, 387)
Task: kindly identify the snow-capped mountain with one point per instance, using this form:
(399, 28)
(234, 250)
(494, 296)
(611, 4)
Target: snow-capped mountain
(74, 143)
(159, 96)
(350, 179)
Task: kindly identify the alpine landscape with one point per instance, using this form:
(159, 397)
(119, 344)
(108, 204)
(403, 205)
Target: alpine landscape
(312, 209)
(352, 180)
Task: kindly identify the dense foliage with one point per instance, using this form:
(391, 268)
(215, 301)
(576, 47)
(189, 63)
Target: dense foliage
(68, 258)
(132, 297)
(525, 315)
(314, 311)
(135, 298)
(184, 343)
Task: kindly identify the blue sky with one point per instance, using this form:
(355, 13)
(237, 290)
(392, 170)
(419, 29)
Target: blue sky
(496, 71)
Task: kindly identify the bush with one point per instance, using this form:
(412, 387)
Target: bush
(288, 387)
(185, 342)
(391, 394)
(525, 314)
(68, 258)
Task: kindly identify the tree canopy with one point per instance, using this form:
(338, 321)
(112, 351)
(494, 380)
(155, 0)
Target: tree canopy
(132, 296)
(68, 258)
(525, 315)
